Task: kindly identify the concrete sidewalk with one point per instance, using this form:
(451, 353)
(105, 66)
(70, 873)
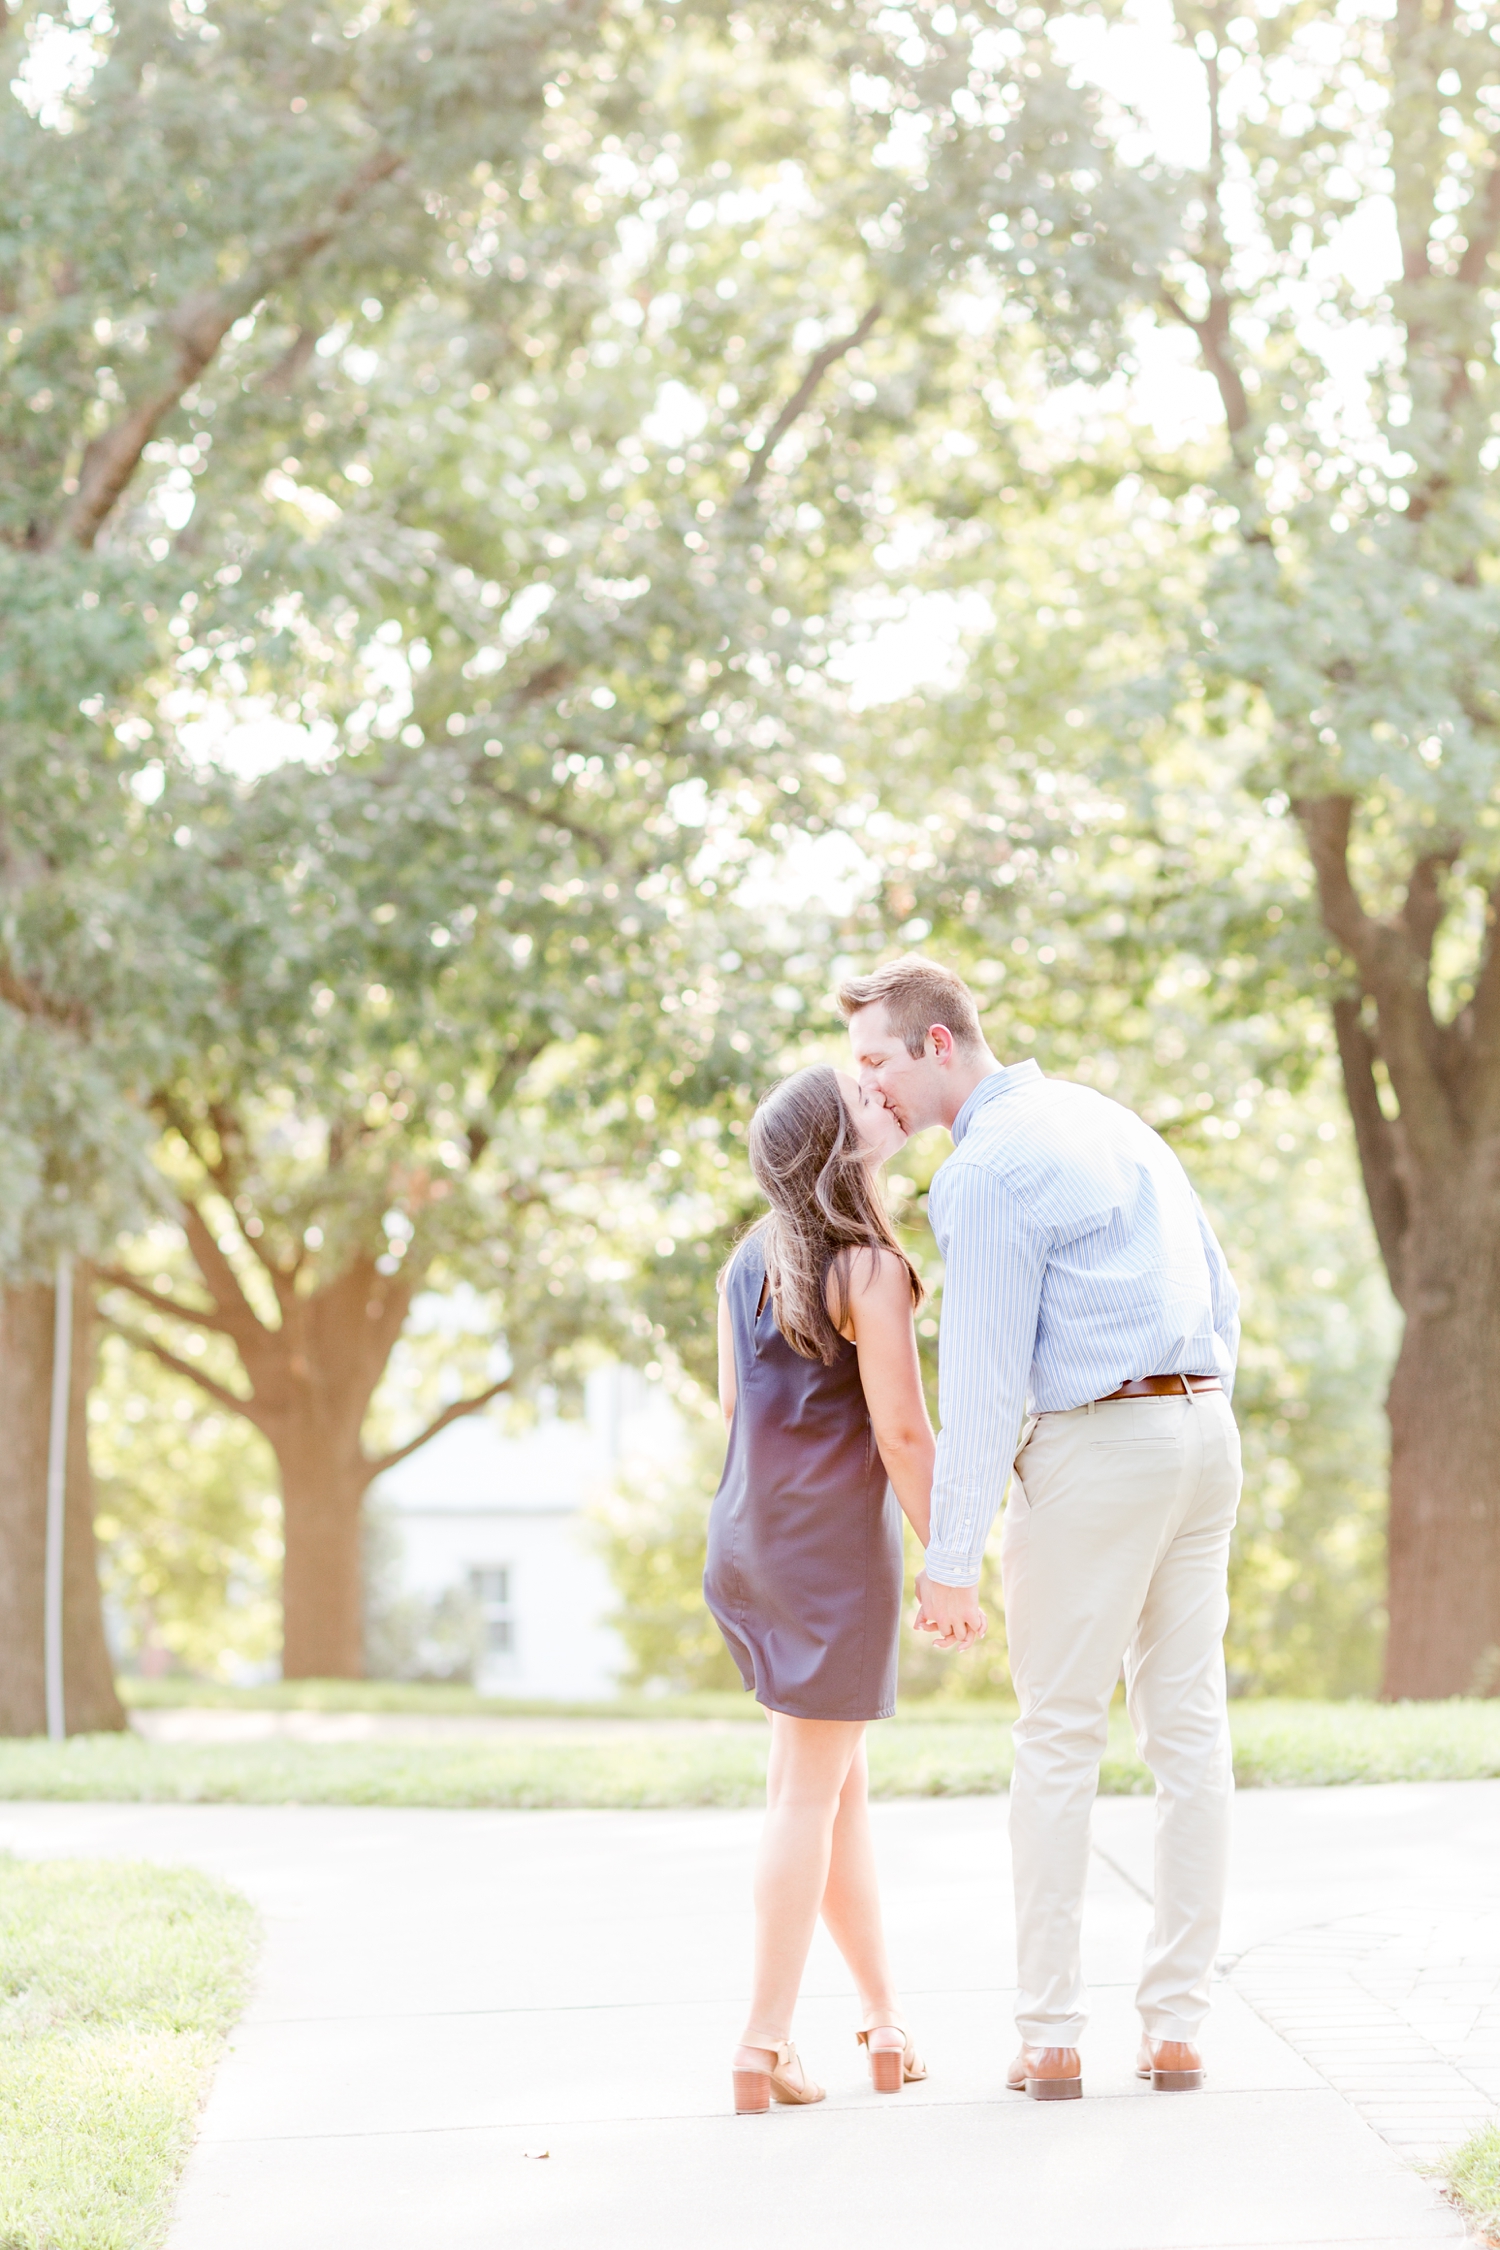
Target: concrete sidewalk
(511, 2029)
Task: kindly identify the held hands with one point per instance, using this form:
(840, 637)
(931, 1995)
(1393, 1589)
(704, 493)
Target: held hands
(951, 1613)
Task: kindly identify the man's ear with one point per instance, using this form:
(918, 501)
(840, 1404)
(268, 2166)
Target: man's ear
(942, 1042)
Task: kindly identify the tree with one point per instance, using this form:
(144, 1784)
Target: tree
(197, 164)
(568, 688)
(289, 193)
(190, 1541)
(72, 951)
(1353, 621)
(406, 1068)
(1305, 606)
(1052, 814)
(27, 1329)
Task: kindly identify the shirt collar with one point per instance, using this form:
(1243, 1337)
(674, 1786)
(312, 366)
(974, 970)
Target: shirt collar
(1002, 1081)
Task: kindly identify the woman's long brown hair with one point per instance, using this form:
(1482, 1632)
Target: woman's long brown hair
(826, 1207)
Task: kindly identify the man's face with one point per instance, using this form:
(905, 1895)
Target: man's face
(911, 1086)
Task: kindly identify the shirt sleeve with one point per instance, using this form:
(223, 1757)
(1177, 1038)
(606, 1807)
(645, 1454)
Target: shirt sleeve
(1224, 1296)
(995, 1259)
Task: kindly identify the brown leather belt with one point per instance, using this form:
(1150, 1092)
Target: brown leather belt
(1162, 1386)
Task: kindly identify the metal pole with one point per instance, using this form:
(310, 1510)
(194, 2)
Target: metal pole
(57, 1486)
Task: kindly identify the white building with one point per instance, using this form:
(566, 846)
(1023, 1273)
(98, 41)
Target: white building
(504, 1518)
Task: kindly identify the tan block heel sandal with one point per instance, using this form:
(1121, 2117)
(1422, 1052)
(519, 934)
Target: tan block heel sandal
(786, 2081)
(894, 2061)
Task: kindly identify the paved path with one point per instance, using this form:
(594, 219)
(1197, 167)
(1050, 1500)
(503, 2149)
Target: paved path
(447, 1995)
(1397, 2002)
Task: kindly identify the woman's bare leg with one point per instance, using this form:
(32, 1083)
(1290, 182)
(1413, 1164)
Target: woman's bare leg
(851, 1897)
(809, 1766)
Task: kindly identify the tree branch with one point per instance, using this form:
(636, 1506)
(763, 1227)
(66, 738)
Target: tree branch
(1486, 1001)
(1484, 1016)
(801, 398)
(1326, 823)
(1214, 341)
(453, 1413)
(216, 1391)
(547, 679)
(284, 375)
(229, 1135)
(502, 1086)
(541, 813)
(116, 1277)
(1213, 332)
(170, 1110)
(1480, 238)
(223, 1282)
(30, 1000)
(196, 328)
(225, 1173)
(1374, 1136)
(284, 1282)
(1422, 911)
(1415, 195)
(1395, 976)
(1215, 122)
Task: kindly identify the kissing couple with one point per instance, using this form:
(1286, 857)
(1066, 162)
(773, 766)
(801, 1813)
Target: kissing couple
(1087, 1350)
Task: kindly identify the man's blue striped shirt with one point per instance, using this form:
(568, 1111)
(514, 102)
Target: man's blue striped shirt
(1076, 1257)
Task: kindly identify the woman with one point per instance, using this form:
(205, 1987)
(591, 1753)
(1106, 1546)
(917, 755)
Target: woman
(819, 1382)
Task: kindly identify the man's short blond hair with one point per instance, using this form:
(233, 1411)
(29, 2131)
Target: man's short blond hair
(916, 994)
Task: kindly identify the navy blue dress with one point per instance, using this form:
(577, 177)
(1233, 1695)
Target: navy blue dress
(804, 1537)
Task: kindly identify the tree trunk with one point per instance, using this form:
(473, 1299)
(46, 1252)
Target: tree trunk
(1431, 1164)
(322, 1594)
(1444, 1407)
(90, 1703)
(310, 1382)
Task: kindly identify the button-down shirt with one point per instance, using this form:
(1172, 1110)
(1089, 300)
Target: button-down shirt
(1077, 1257)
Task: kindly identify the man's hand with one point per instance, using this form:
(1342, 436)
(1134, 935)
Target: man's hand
(951, 1613)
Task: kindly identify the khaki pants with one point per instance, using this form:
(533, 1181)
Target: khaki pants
(1115, 1546)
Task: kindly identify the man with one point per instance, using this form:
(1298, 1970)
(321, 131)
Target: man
(1085, 1296)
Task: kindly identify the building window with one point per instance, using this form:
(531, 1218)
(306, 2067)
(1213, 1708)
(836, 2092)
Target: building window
(490, 1588)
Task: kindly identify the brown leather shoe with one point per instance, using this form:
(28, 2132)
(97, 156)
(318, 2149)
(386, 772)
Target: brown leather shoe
(1174, 2066)
(1047, 2074)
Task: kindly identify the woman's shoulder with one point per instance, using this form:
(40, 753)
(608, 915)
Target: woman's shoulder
(867, 1281)
(873, 1272)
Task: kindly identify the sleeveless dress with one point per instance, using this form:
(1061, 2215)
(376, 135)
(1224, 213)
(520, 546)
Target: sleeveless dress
(804, 1537)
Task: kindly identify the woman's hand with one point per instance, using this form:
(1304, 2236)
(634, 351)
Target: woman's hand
(952, 1613)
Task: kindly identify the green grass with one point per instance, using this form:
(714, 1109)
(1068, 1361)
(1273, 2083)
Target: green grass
(424, 1698)
(1284, 1745)
(117, 1985)
(941, 1749)
(1473, 2174)
(722, 1769)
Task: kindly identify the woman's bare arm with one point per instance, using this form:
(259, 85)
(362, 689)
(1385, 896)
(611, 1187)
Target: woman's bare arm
(884, 1334)
(726, 1361)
